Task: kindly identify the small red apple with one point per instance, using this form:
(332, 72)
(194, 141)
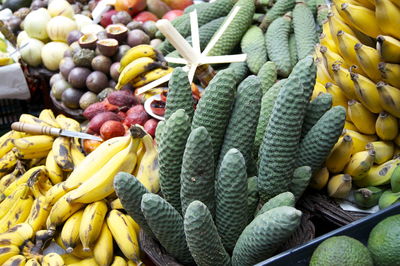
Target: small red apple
(106, 18)
(173, 14)
(145, 16)
(178, 4)
(150, 126)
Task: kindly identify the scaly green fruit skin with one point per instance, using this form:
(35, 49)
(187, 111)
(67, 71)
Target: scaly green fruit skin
(214, 108)
(253, 44)
(197, 175)
(160, 131)
(179, 94)
(242, 126)
(212, 11)
(279, 148)
(241, 71)
(283, 199)
(267, 104)
(236, 29)
(301, 179)
(316, 145)
(305, 70)
(174, 54)
(268, 75)
(278, 9)
(315, 110)
(263, 236)
(207, 31)
(167, 226)
(312, 5)
(252, 198)
(277, 41)
(130, 191)
(196, 7)
(171, 148)
(202, 237)
(304, 30)
(231, 198)
(322, 15)
(293, 50)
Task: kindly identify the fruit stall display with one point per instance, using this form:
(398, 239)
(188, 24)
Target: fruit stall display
(219, 180)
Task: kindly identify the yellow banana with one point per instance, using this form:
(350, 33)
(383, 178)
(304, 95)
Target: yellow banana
(54, 171)
(38, 142)
(77, 251)
(139, 154)
(28, 154)
(338, 97)
(339, 186)
(340, 155)
(38, 214)
(16, 235)
(124, 235)
(100, 185)
(7, 163)
(70, 231)
(384, 150)
(103, 251)
(397, 140)
(343, 80)
(7, 252)
(331, 58)
(389, 49)
(336, 24)
(366, 93)
(47, 116)
(379, 174)
(359, 164)
(35, 171)
(136, 52)
(359, 140)
(6, 180)
(361, 18)
(70, 259)
(91, 223)
(323, 75)
(30, 119)
(62, 153)
(17, 213)
(39, 183)
(68, 123)
(76, 154)
(52, 259)
(327, 38)
(61, 211)
(134, 69)
(390, 73)
(370, 4)
(346, 46)
(150, 76)
(36, 162)
(19, 192)
(363, 119)
(55, 193)
(349, 125)
(148, 173)
(389, 98)
(7, 141)
(32, 262)
(116, 204)
(387, 126)
(132, 223)
(368, 59)
(387, 15)
(118, 261)
(19, 260)
(318, 89)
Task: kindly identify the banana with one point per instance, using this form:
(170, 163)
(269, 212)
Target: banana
(395, 179)
(55, 193)
(387, 15)
(323, 75)
(339, 186)
(37, 142)
(17, 213)
(61, 211)
(379, 174)
(92, 222)
(390, 73)
(100, 185)
(103, 251)
(85, 262)
(327, 38)
(17, 235)
(8, 251)
(7, 141)
(346, 46)
(39, 184)
(366, 92)
(30, 119)
(387, 126)
(384, 150)
(340, 155)
(62, 153)
(331, 58)
(139, 155)
(47, 116)
(70, 231)
(361, 18)
(28, 154)
(38, 214)
(389, 98)
(136, 52)
(32, 262)
(397, 140)
(11, 200)
(318, 89)
(338, 97)
(368, 59)
(31, 173)
(150, 76)
(363, 119)
(68, 123)
(389, 49)
(6, 180)
(367, 197)
(336, 24)
(70, 259)
(77, 251)
(54, 171)
(359, 140)
(148, 173)
(359, 164)
(349, 125)
(76, 154)
(370, 4)
(118, 261)
(134, 69)
(132, 223)
(17, 260)
(124, 235)
(116, 204)
(132, 263)
(95, 160)
(52, 259)
(7, 162)
(388, 198)
(319, 179)
(342, 78)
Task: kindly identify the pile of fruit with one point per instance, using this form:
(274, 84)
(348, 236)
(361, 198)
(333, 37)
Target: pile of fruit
(358, 64)
(51, 192)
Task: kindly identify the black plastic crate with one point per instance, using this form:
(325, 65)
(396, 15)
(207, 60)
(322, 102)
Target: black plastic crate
(360, 229)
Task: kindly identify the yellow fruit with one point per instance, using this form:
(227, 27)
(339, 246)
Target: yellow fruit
(390, 73)
(318, 89)
(379, 174)
(342, 78)
(338, 97)
(387, 15)
(389, 98)
(387, 126)
(359, 164)
(340, 155)
(368, 59)
(366, 92)
(361, 18)
(359, 140)
(319, 179)
(384, 150)
(339, 186)
(363, 119)
(389, 49)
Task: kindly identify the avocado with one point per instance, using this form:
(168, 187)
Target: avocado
(14, 5)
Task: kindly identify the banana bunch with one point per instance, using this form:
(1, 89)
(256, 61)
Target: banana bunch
(141, 65)
(358, 62)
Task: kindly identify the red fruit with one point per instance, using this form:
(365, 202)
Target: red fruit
(136, 109)
(150, 126)
(122, 115)
(131, 6)
(112, 129)
(122, 98)
(97, 121)
(136, 115)
(145, 16)
(173, 14)
(90, 145)
(178, 4)
(97, 108)
(106, 18)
